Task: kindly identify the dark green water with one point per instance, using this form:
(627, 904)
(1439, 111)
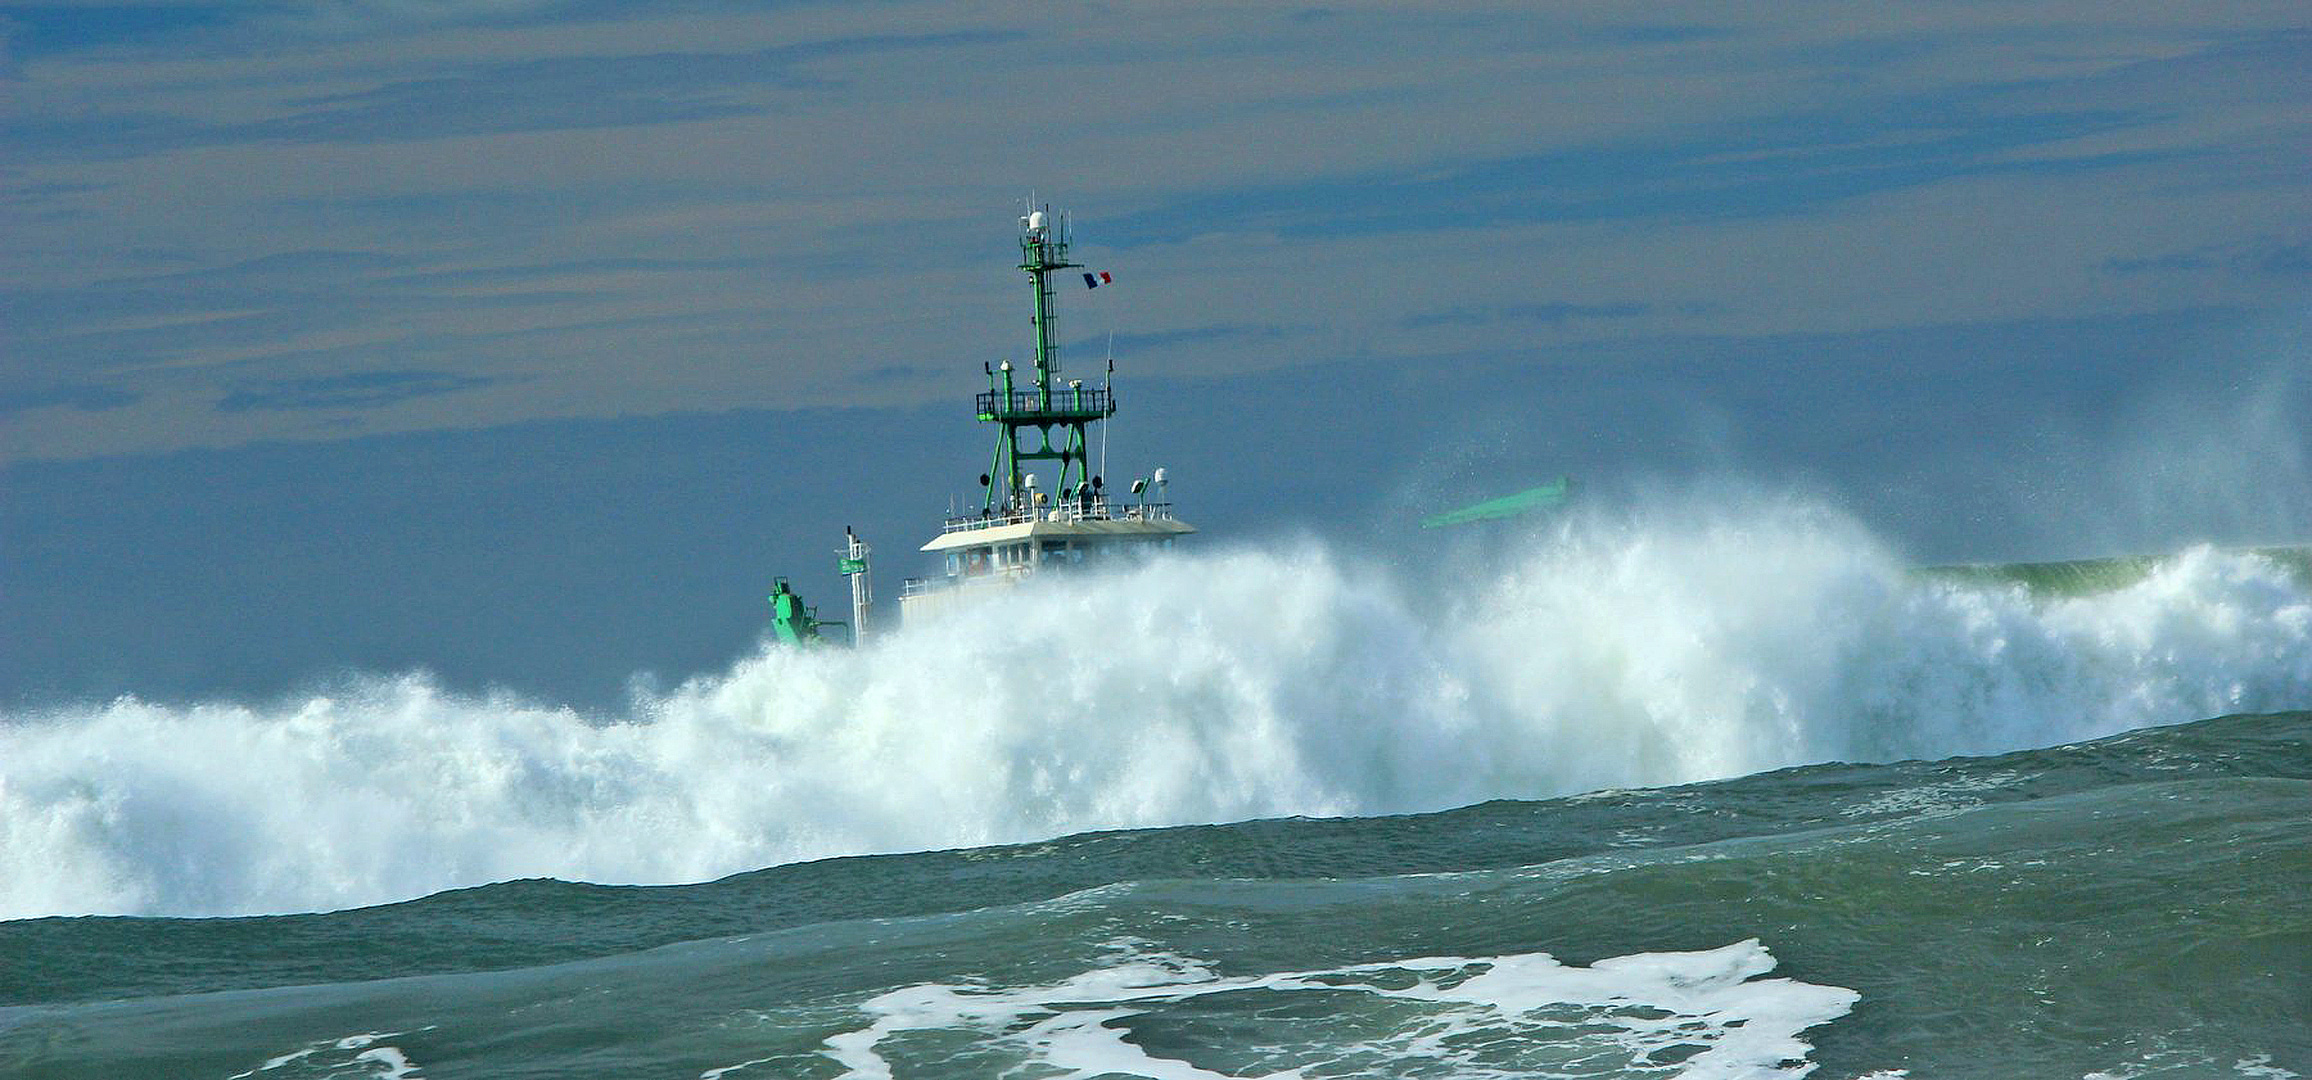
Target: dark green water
(2137, 906)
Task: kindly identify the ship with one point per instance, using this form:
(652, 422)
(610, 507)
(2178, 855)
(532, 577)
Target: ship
(1045, 505)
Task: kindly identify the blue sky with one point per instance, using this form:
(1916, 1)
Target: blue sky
(237, 227)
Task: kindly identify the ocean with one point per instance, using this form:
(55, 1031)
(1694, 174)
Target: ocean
(1735, 792)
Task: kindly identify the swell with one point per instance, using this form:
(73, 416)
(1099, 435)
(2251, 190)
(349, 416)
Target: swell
(532, 923)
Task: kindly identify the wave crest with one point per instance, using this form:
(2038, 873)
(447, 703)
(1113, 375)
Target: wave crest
(1617, 649)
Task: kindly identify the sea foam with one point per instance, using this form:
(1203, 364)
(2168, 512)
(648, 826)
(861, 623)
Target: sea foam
(1522, 1015)
(1612, 649)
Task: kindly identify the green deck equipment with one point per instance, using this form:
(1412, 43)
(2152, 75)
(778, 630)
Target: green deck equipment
(795, 622)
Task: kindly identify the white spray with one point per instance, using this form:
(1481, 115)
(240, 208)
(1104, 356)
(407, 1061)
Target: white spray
(1639, 649)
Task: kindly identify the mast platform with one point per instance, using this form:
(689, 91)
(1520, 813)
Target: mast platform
(1069, 405)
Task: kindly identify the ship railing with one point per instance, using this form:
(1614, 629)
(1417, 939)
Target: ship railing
(1079, 402)
(1096, 508)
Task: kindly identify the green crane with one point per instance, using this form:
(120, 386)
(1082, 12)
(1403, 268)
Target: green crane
(793, 621)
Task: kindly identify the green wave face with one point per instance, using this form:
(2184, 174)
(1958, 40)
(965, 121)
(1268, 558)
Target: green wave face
(2089, 577)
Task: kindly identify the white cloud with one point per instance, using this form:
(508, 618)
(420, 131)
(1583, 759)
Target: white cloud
(705, 209)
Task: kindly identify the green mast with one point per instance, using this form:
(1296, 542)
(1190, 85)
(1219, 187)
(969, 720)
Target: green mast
(1046, 405)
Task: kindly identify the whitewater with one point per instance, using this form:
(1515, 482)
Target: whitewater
(1615, 648)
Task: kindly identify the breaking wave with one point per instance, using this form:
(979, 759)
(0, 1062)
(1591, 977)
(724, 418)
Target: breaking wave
(1615, 649)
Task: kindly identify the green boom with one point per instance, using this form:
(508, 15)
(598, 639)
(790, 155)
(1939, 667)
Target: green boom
(1547, 495)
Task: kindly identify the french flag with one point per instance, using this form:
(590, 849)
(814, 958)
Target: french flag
(1094, 281)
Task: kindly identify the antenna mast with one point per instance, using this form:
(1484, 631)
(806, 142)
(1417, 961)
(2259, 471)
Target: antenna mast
(852, 561)
(1044, 405)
